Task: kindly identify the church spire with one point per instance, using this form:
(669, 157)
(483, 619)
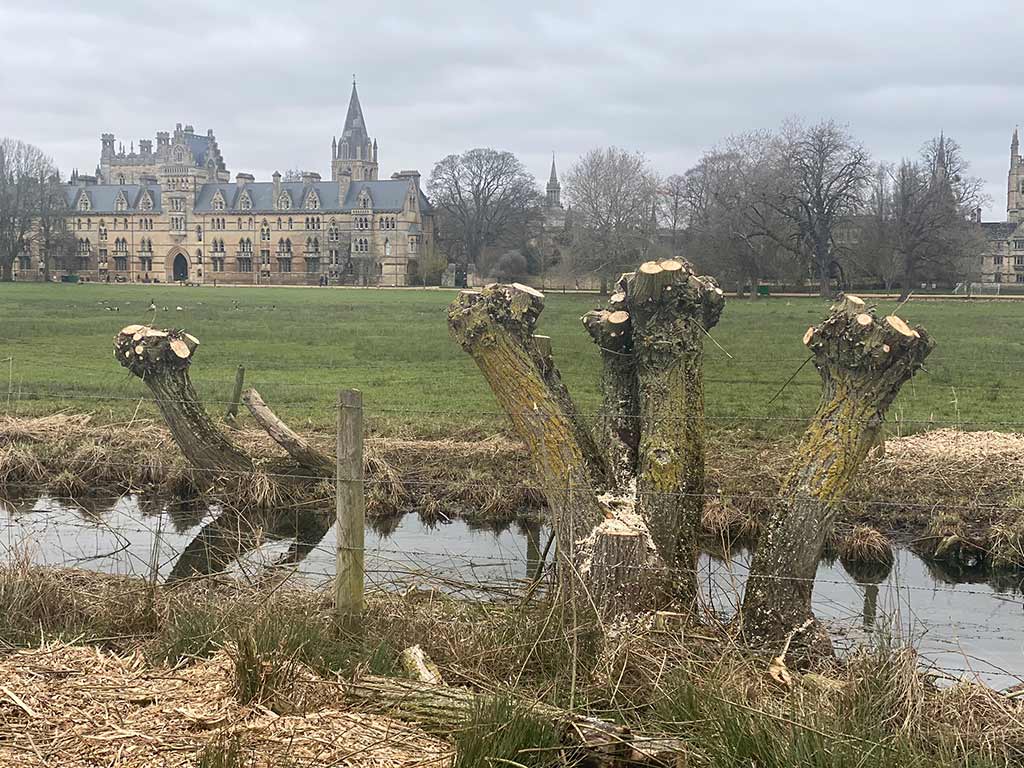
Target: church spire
(355, 153)
(1014, 147)
(554, 188)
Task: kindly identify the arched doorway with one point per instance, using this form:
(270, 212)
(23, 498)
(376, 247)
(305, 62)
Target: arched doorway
(180, 268)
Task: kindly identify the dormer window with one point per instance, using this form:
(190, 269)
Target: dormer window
(179, 155)
(83, 202)
(146, 203)
(364, 200)
(245, 202)
(312, 201)
(284, 202)
(121, 204)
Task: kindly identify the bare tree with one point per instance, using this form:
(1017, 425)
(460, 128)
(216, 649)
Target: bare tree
(822, 175)
(483, 197)
(21, 166)
(613, 196)
(672, 209)
(733, 230)
(53, 240)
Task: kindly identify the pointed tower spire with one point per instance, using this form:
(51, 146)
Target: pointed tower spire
(1014, 146)
(554, 188)
(355, 153)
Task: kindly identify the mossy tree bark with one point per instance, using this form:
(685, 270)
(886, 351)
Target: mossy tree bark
(622, 513)
(161, 358)
(652, 340)
(256, 498)
(863, 361)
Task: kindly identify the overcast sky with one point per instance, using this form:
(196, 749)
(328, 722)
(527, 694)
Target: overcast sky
(671, 79)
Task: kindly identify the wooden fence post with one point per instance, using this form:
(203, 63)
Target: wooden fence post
(350, 508)
(236, 396)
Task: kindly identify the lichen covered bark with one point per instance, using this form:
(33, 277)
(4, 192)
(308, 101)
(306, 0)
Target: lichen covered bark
(161, 358)
(654, 400)
(863, 361)
(495, 326)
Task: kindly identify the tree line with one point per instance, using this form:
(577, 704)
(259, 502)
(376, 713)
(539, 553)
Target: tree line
(32, 210)
(803, 204)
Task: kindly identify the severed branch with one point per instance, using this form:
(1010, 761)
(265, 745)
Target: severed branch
(300, 449)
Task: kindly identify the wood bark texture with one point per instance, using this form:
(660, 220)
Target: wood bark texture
(496, 327)
(441, 708)
(862, 367)
(652, 338)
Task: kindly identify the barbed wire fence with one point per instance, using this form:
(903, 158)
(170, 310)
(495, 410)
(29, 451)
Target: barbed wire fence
(125, 535)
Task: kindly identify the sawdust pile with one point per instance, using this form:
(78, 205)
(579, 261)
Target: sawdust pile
(78, 706)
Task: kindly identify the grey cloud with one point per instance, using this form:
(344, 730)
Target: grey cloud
(670, 78)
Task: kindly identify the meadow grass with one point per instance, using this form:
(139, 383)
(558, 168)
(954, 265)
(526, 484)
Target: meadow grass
(299, 346)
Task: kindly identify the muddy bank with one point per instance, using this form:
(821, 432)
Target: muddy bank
(949, 495)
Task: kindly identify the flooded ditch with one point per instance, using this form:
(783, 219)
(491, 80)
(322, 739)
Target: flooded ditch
(964, 629)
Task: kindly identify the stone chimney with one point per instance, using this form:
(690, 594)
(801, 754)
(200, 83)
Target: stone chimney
(277, 187)
(310, 177)
(413, 176)
(241, 179)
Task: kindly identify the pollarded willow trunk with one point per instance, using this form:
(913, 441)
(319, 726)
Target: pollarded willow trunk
(863, 361)
(161, 358)
(623, 513)
(257, 498)
(496, 327)
(652, 342)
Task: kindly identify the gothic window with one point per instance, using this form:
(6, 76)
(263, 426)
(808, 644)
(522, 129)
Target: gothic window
(179, 155)
(313, 201)
(218, 202)
(177, 204)
(102, 230)
(245, 202)
(121, 204)
(289, 222)
(265, 231)
(120, 178)
(279, 222)
(332, 234)
(387, 247)
(284, 202)
(251, 224)
(199, 233)
(83, 202)
(364, 200)
(146, 203)
(413, 244)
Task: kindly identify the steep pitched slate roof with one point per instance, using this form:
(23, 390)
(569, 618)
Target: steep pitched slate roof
(103, 197)
(998, 230)
(387, 196)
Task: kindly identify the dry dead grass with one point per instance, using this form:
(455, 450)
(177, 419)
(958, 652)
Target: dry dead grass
(82, 706)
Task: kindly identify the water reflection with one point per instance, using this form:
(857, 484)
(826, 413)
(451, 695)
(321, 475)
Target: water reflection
(960, 622)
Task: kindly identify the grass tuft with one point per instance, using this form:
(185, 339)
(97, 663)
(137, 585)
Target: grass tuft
(501, 731)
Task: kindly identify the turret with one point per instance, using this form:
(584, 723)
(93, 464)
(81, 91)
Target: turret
(107, 141)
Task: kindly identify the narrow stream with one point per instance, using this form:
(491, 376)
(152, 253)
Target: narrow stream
(964, 629)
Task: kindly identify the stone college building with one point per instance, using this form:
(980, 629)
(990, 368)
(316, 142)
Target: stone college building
(1004, 260)
(172, 214)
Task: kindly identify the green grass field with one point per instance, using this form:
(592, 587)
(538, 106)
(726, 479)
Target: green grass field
(299, 346)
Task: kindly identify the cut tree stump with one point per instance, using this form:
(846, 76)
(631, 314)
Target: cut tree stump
(862, 367)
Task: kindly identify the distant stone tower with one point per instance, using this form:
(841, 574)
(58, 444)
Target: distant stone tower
(354, 152)
(554, 188)
(1015, 183)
